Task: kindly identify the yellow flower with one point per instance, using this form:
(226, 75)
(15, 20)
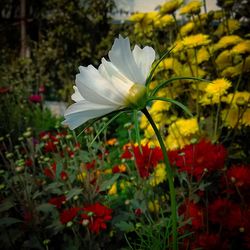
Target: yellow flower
(163, 21)
(187, 28)
(184, 127)
(170, 6)
(137, 17)
(224, 59)
(237, 69)
(227, 41)
(159, 175)
(153, 206)
(194, 41)
(202, 56)
(113, 189)
(246, 117)
(194, 70)
(192, 7)
(242, 48)
(144, 122)
(81, 176)
(237, 98)
(176, 142)
(159, 106)
(230, 117)
(232, 25)
(218, 87)
(170, 64)
(214, 91)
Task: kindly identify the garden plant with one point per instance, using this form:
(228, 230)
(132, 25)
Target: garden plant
(152, 151)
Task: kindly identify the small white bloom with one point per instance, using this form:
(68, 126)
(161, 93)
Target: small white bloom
(99, 92)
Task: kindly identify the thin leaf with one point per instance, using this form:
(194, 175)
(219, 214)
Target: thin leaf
(165, 83)
(105, 126)
(183, 107)
(107, 184)
(7, 221)
(156, 65)
(6, 205)
(73, 192)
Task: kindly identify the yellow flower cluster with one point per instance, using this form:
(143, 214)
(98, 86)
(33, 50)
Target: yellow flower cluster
(192, 7)
(159, 175)
(181, 132)
(170, 7)
(214, 91)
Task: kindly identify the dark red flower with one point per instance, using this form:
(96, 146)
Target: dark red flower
(207, 241)
(146, 158)
(90, 165)
(50, 171)
(64, 176)
(199, 158)
(138, 211)
(58, 201)
(35, 98)
(28, 162)
(239, 176)
(192, 211)
(97, 215)
(4, 90)
(69, 214)
(225, 213)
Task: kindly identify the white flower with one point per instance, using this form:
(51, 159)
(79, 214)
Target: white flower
(116, 84)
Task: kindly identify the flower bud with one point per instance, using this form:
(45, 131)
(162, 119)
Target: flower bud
(137, 96)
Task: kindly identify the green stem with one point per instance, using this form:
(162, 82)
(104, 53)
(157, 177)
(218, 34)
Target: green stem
(165, 83)
(170, 177)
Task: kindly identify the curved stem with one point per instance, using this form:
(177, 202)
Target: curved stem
(165, 83)
(170, 177)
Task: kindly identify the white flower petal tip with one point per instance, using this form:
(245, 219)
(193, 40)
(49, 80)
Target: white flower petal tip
(106, 89)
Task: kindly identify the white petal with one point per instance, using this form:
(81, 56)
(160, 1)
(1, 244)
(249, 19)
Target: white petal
(144, 59)
(95, 88)
(121, 56)
(76, 96)
(120, 83)
(80, 112)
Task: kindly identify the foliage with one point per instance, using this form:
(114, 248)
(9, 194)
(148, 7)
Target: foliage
(62, 191)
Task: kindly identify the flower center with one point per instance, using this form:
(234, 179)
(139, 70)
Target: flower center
(137, 96)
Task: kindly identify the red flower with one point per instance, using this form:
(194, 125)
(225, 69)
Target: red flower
(192, 211)
(35, 98)
(225, 213)
(239, 176)
(97, 215)
(146, 158)
(90, 165)
(199, 158)
(207, 241)
(28, 162)
(58, 201)
(69, 214)
(50, 171)
(64, 176)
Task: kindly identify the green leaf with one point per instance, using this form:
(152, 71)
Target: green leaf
(183, 107)
(6, 205)
(73, 192)
(165, 83)
(125, 226)
(45, 207)
(156, 65)
(107, 184)
(105, 126)
(8, 221)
